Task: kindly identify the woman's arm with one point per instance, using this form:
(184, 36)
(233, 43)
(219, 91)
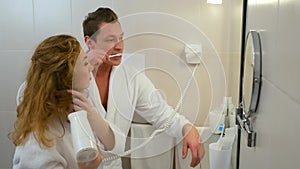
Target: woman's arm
(98, 124)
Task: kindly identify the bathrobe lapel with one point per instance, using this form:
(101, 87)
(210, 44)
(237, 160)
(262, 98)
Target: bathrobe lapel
(119, 108)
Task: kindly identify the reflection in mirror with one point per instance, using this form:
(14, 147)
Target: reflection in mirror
(248, 73)
(252, 73)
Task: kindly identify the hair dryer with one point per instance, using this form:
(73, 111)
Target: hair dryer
(84, 142)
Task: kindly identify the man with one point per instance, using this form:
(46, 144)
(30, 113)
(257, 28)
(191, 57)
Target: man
(119, 91)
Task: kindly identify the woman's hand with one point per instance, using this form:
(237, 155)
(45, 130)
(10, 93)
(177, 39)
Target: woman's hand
(81, 102)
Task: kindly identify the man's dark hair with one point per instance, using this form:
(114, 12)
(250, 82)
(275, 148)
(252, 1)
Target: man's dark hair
(94, 19)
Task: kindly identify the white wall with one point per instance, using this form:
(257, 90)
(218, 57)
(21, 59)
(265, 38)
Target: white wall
(278, 112)
(24, 23)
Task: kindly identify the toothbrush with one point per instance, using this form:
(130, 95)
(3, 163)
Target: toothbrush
(221, 129)
(115, 55)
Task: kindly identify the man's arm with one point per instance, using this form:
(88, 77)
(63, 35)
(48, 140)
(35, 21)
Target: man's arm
(155, 110)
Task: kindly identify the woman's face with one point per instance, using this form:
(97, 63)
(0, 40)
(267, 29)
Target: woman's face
(82, 73)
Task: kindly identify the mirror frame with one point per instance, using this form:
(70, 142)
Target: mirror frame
(257, 72)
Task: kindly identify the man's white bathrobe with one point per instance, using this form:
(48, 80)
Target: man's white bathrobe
(130, 92)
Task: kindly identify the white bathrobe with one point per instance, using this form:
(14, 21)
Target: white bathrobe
(32, 155)
(132, 92)
(61, 155)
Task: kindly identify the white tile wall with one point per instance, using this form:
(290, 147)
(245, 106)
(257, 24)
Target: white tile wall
(6, 146)
(16, 20)
(288, 43)
(276, 126)
(13, 67)
(51, 17)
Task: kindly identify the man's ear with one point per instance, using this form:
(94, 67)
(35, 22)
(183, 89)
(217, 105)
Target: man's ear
(89, 42)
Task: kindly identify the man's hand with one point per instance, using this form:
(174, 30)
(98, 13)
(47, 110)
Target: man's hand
(95, 57)
(192, 141)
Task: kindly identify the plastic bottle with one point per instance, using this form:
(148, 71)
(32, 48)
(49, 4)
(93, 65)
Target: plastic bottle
(231, 112)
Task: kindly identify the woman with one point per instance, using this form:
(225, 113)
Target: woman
(55, 84)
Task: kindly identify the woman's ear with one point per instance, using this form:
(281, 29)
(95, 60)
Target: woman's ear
(89, 42)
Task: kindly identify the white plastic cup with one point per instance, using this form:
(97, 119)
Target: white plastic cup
(215, 119)
(83, 139)
(219, 159)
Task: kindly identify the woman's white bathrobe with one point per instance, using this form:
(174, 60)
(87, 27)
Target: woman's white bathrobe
(132, 92)
(32, 155)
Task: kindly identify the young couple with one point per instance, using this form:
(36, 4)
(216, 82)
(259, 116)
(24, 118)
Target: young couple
(56, 83)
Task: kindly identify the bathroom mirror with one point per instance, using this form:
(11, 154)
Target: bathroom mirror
(252, 73)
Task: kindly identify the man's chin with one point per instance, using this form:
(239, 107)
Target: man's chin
(116, 63)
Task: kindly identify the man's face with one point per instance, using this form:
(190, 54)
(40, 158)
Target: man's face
(110, 40)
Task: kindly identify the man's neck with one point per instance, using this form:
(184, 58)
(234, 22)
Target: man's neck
(103, 70)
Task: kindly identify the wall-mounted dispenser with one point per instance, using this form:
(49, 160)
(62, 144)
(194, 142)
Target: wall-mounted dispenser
(193, 53)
